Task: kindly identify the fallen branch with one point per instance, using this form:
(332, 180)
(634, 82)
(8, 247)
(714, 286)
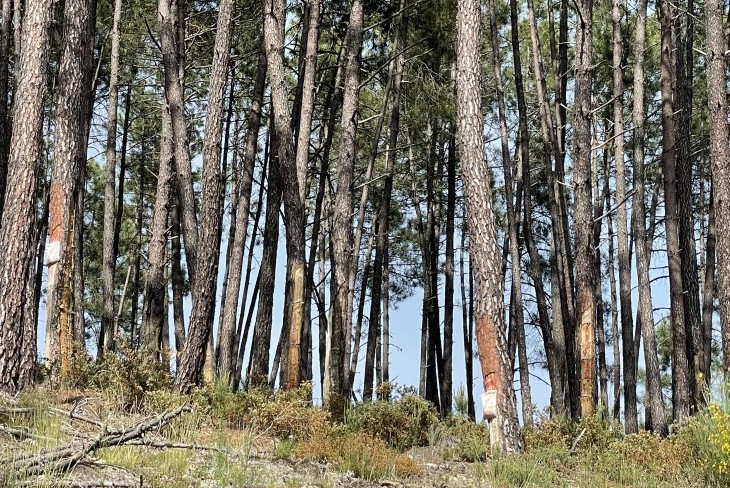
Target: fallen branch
(576, 441)
(14, 410)
(67, 456)
(22, 433)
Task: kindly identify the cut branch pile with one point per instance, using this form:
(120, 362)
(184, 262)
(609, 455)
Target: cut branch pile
(66, 457)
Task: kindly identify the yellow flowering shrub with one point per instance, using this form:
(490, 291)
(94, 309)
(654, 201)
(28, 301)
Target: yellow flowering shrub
(711, 437)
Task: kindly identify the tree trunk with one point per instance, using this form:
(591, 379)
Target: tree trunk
(258, 368)
(69, 149)
(107, 333)
(708, 285)
(204, 285)
(154, 318)
(466, 323)
(720, 154)
(357, 334)
(685, 205)
(377, 303)
(241, 348)
(513, 228)
(614, 317)
(680, 366)
(562, 283)
(177, 278)
(172, 43)
(583, 216)
(294, 216)
(655, 403)
(493, 356)
(5, 35)
(342, 211)
(309, 65)
(631, 421)
(229, 340)
(17, 236)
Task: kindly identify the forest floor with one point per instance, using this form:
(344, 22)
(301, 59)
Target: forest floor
(215, 438)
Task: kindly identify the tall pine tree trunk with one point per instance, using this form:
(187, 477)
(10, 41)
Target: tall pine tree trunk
(631, 421)
(154, 318)
(342, 211)
(106, 336)
(17, 225)
(229, 340)
(720, 154)
(489, 316)
(654, 402)
(206, 272)
(583, 216)
(680, 366)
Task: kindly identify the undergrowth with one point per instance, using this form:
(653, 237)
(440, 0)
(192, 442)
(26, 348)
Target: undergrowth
(381, 439)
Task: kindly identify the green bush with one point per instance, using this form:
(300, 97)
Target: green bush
(358, 452)
(127, 377)
(403, 424)
(281, 414)
(708, 434)
(465, 440)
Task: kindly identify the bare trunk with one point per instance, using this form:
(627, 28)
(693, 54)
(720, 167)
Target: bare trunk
(294, 216)
(206, 272)
(342, 210)
(631, 421)
(258, 369)
(513, 229)
(583, 217)
(228, 338)
(73, 91)
(720, 154)
(5, 36)
(169, 15)
(17, 236)
(685, 205)
(680, 366)
(154, 317)
(493, 355)
(177, 279)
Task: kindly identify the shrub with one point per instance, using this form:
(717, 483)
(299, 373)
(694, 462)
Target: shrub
(559, 431)
(281, 414)
(364, 455)
(465, 440)
(128, 377)
(708, 433)
(403, 424)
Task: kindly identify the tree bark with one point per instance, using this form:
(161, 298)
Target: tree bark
(631, 421)
(720, 154)
(17, 236)
(229, 340)
(206, 272)
(685, 205)
(69, 150)
(172, 43)
(5, 36)
(342, 210)
(294, 216)
(583, 216)
(107, 333)
(655, 403)
(513, 228)
(680, 366)
(177, 277)
(491, 339)
(258, 368)
(154, 318)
